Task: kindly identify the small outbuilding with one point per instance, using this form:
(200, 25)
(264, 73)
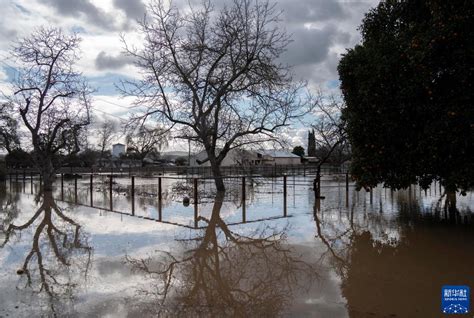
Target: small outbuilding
(118, 150)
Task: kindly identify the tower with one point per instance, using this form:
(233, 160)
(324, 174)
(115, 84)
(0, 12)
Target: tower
(311, 144)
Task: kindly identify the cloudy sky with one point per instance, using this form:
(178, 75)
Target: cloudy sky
(321, 31)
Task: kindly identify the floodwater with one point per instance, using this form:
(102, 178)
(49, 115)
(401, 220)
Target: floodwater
(354, 254)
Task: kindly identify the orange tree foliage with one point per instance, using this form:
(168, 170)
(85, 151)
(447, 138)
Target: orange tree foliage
(408, 91)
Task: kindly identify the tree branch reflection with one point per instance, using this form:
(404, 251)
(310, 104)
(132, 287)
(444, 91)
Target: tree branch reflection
(225, 273)
(59, 251)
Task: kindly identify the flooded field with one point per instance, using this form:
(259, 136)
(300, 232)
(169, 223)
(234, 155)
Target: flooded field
(257, 251)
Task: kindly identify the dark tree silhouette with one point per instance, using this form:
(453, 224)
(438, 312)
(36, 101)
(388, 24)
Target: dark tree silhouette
(9, 138)
(408, 90)
(298, 150)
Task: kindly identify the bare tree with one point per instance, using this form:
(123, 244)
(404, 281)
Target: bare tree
(144, 141)
(52, 98)
(9, 138)
(329, 132)
(105, 134)
(215, 75)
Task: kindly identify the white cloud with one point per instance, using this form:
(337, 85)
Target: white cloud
(322, 30)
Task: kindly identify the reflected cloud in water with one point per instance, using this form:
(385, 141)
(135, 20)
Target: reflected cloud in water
(385, 254)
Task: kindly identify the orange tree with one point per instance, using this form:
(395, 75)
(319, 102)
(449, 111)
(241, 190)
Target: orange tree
(408, 91)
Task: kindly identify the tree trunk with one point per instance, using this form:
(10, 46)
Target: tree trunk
(216, 171)
(46, 168)
(48, 176)
(451, 204)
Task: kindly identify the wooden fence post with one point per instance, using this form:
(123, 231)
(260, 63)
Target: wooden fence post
(75, 189)
(110, 192)
(347, 189)
(159, 200)
(62, 187)
(195, 181)
(92, 189)
(284, 196)
(133, 195)
(244, 212)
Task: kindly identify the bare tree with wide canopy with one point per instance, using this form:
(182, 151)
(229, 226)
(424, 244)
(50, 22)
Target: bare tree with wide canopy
(143, 141)
(52, 97)
(105, 133)
(329, 130)
(215, 75)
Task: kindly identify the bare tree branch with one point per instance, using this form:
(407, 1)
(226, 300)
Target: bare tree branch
(215, 75)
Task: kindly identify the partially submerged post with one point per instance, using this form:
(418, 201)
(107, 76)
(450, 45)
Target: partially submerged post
(159, 200)
(110, 192)
(92, 189)
(244, 212)
(284, 196)
(75, 189)
(347, 189)
(133, 195)
(195, 182)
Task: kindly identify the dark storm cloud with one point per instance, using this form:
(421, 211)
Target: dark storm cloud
(103, 61)
(304, 11)
(319, 30)
(74, 8)
(134, 9)
(311, 45)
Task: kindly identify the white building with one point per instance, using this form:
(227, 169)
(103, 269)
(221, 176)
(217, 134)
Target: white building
(117, 150)
(241, 157)
(278, 157)
(235, 157)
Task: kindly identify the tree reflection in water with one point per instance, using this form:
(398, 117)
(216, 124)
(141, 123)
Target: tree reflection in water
(383, 277)
(224, 273)
(8, 208)
(59, 253)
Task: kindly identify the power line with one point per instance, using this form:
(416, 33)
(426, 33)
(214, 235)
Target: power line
(109, 114)
(112, 103)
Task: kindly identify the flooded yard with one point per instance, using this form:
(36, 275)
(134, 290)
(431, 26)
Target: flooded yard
(260, 250)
